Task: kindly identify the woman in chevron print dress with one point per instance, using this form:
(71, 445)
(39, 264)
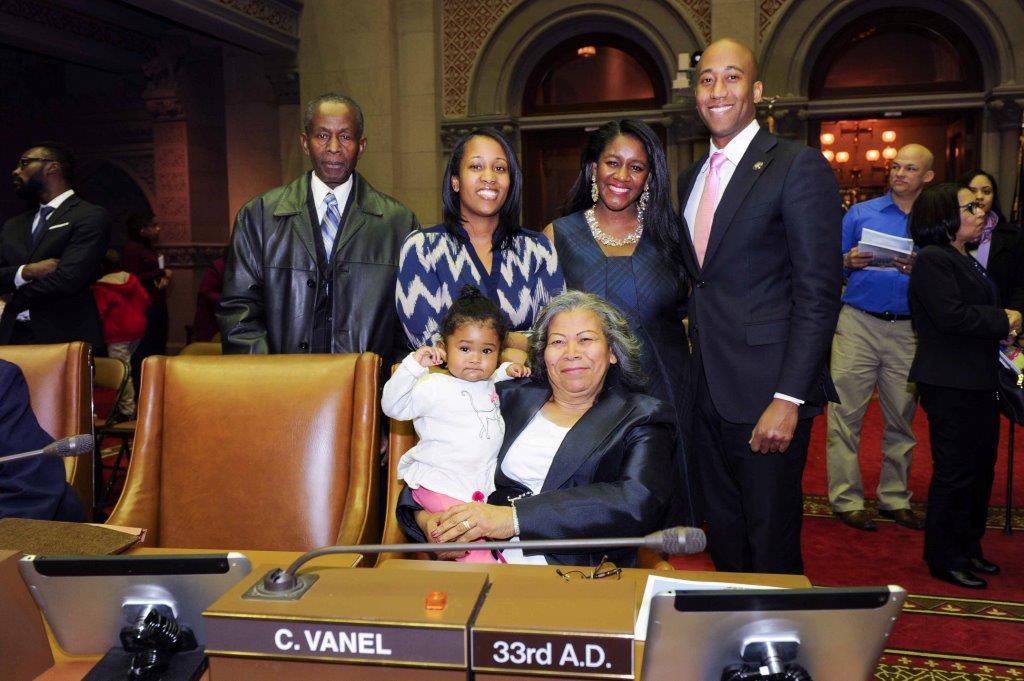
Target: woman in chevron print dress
(480, 243)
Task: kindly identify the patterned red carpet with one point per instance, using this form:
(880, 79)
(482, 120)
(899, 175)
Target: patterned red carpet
(945, 633)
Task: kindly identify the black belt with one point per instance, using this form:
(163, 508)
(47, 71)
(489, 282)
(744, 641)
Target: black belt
(888, 316)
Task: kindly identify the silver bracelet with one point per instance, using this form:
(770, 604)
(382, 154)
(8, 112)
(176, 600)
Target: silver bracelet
(515, 521)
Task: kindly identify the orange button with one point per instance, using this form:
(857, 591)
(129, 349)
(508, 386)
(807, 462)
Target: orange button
(437, 600)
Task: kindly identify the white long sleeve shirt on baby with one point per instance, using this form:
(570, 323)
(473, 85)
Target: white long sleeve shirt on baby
(459, 426)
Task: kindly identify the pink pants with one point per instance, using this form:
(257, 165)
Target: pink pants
(436, 502)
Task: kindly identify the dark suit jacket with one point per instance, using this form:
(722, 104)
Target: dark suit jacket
(958, 322)
(612, 476)
(1006, 264)
(275, 281)
(36, 487)
(61, 305)
(764, 305)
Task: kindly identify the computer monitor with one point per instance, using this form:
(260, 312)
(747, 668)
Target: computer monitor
(834, 634)
(88, 600)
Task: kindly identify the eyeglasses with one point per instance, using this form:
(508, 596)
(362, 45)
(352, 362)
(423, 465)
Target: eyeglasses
(971, 207)
(26, 161)
(604, 569)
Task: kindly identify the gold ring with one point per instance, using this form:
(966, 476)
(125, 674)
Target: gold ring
(466, 525)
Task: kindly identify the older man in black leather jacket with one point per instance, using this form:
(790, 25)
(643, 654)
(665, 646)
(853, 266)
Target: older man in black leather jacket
(312, 265)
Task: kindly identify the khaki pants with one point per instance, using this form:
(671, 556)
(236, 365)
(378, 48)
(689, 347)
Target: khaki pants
(867, 351)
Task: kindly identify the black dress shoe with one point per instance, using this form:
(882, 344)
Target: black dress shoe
(964, 578)
(987, 567)
(904, 517)
(857, 519)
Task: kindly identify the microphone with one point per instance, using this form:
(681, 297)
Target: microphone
(284, 584)
(76, 445)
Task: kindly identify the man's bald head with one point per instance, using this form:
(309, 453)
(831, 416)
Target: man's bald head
(741, 54)
(727, 89)
(911, 170)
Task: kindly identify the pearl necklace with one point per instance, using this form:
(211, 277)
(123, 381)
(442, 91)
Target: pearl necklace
(605, 239)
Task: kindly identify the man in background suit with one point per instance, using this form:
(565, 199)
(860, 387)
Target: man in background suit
(312, 265)
(761, 249)
(30, 488)
(50, 256)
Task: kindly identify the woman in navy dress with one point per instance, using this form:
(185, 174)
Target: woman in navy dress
(619, 239)
(480, 242)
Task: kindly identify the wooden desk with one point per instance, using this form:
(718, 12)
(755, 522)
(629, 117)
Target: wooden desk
(519, 592)
(69, 667)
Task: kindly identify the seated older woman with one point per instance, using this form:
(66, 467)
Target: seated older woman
(585, 453)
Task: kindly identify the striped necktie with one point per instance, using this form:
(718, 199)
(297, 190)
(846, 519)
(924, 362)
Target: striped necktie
(39, 229)
(331, 223)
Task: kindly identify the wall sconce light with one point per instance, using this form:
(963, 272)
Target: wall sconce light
(827, 138)
(888, 136)
(829, 155)
(889, 153)
(842, 157)
(587, 51)
(872, 155)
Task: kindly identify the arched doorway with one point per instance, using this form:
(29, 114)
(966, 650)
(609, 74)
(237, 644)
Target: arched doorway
(589, 73)
(885, 56)
(106, 184)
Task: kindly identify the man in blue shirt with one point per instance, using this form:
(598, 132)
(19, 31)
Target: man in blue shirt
(874, 345)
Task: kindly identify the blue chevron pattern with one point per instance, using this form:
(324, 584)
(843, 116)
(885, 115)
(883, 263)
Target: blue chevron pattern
(435, 266)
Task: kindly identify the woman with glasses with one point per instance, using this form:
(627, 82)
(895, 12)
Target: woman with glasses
(960, 324)
(586, 454)
(1000, 250)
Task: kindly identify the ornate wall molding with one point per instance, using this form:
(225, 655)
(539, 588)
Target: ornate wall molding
(465, 24)
(700, 13)
(279, 16)
(766, 12)
(191, 255)
(76, 23)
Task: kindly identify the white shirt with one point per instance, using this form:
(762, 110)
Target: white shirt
(527, 461)
(734, 152)
(459, 426)
(19, 281)
(320, 192)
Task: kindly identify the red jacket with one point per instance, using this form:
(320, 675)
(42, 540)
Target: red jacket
(122, 302)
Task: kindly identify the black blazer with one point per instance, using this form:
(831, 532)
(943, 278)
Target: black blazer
(958, 321)
(764, 306)
(1006, 264)
(61, 305)
(30, 488)
(612, 476)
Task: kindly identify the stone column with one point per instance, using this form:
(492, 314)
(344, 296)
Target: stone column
(170, 144)
(735, 19)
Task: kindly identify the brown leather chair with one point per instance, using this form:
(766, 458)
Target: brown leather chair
(274, 452)
(402, 438)
(59, 380)
(201, 348)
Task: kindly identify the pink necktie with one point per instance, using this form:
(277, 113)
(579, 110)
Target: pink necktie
(706, 207)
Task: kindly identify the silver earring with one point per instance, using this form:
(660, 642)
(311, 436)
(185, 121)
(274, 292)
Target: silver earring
(645, 196)
(593, 190)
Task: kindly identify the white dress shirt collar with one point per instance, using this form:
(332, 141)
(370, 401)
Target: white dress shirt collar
(737, 146)
(56, 201)
(320, 192)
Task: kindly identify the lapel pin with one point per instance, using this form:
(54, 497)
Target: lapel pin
(759, 165)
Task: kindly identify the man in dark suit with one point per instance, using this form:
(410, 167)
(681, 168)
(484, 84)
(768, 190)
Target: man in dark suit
(761, 247)
(312, 265)
(29, 488)
(50, 256)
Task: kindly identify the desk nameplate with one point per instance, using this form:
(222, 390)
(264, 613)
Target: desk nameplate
(443, 647)
(535, 653)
